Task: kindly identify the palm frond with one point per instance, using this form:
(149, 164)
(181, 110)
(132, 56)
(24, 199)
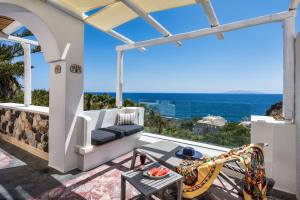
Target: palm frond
(11, 69)
(6, 52)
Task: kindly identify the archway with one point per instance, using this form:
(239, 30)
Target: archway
(37, 26)
(61, 40)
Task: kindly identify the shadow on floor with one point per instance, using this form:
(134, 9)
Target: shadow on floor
(25, 176)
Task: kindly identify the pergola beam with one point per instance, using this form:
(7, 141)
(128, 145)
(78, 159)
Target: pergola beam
(83, 16)
(121, 38)
(294, 4)
(211, 15)
(149, 19)
(11, 38)
(209, 31)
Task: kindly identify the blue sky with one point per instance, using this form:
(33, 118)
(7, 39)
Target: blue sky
(249, 59)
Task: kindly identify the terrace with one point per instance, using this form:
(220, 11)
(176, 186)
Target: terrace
(102, 182)
(69, 163)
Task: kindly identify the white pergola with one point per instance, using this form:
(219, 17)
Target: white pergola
(289, 33)
(5, 35)
(126, 10)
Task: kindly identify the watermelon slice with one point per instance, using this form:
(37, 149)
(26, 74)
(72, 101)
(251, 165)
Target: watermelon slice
(153, 171)
(158, 171)
(163, 172)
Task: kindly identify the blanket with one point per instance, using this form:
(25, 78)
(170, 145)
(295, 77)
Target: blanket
(199, 175)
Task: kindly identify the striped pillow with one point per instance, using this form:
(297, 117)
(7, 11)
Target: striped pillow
(126, 118)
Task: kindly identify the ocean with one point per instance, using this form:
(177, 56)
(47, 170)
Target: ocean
(233, 107)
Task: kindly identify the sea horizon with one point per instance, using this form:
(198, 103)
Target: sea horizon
(229, 92)
(233, 107)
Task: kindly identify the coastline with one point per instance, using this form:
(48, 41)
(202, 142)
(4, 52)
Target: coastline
(186, 106)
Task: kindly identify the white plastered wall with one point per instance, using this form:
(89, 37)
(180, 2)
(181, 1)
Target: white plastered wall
(297, 111)
(61, 37)
(280, 155)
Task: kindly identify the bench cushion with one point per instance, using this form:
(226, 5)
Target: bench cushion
(125, 129)
(101, 136)
(117, 133)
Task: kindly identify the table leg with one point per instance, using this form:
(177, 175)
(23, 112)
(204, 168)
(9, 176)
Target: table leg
(134, 155)
(123, 188)
(179, 189)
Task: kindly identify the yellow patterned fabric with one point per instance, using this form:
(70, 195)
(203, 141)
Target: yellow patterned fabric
(200, 175)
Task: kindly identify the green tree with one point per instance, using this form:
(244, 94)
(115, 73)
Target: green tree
(128, 103)
(231, 135)
(96, 102)
(106, 101)
(155, 120)
(88, 101)
(10, 72)
(40, 98)
(187, 124)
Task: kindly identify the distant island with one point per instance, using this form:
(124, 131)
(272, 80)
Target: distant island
(243, 92)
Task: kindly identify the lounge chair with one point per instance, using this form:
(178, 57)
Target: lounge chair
(164, 152)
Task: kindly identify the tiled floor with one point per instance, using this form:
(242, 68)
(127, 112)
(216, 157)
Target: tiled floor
(23, 176)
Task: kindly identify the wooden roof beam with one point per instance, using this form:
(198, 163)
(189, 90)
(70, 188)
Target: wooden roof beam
(13, 27)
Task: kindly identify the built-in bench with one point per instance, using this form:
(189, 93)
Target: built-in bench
(101, 140)
(111, 133)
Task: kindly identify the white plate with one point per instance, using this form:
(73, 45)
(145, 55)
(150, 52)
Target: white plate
(145, 173)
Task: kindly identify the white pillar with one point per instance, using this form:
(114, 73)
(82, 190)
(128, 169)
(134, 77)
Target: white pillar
(297, 113)
(119, 83)
(289, 68)
(27, 73)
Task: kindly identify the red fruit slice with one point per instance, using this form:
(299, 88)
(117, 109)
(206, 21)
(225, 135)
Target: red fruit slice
(153, 171)
(161, 169)
(163, 172)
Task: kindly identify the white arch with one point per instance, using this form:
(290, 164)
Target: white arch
(35, 24)
(61, 37)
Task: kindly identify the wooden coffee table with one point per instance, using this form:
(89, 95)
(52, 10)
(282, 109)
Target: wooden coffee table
(148, 186)
(164, 152)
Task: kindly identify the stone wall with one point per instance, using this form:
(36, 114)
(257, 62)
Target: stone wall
(27, 127)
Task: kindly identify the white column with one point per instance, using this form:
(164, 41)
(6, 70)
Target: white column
(119, 83)
(289, 68)
(297, 113)
(27, 73)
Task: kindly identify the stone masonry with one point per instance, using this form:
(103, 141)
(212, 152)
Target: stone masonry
(27, 127)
